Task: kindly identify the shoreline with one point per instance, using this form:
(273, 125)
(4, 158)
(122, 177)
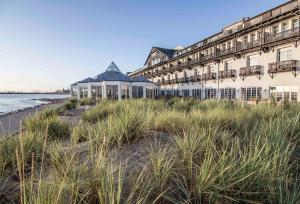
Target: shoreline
(48, 102)
(10, 122)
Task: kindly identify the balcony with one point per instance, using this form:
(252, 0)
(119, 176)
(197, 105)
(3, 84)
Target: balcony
(283, 35)
(248, 45)
(227, 74)
(284, 66)
(226, 51)
(195, 78)
(183, 80)
(209, 76)
(256, 70)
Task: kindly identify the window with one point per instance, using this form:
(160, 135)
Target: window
(112, 91)
(275, 29)
(176, 92)
(229, 44)
(228, 65)
(228, 93)
(196, 93)
(251, 93)
(210, 93)
(285, 54)
(246, 39)
(252, 37)
(137, 92)
(125, 92)
(186, 93)
(295, 23)
(285, 26)
(253, 61)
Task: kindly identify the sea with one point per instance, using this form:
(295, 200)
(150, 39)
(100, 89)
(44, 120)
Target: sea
(15, 102)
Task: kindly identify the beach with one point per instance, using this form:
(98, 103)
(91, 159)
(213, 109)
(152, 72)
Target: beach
(10, 123)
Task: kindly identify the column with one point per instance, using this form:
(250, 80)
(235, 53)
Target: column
(144, 91)
(89, 90)
(78, 92)
(130, 91)
(104, 93)
(119, 92)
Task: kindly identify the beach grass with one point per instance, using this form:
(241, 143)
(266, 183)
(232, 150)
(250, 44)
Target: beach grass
(215, 152)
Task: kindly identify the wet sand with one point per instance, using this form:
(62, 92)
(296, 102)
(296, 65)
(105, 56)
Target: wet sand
(10, 123)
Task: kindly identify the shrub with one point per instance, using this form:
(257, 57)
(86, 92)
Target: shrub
(71, 104)
(86, 102)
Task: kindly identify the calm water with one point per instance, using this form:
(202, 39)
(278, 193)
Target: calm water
(15, 102)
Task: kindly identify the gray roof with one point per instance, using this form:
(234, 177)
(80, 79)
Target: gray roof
(112, 73)
(168, 52)
(87, 80)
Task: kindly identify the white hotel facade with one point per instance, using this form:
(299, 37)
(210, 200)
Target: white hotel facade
(252, 59)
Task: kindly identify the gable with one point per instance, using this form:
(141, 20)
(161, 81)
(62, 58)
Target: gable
(157, 55)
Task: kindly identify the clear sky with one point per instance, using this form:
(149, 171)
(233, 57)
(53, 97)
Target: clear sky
(48, 44)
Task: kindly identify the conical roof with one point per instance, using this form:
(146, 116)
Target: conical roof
(112, 73)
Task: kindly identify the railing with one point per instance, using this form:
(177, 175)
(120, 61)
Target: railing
(195, 78)
(183, 80)
(251, 70)
(227, 74)
(282, 35)
(284, 66)
(209, 76)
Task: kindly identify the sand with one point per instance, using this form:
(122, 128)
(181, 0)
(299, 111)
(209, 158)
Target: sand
(10, 123)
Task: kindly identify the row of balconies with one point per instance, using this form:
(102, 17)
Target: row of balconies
(257, 70)
(269, 38)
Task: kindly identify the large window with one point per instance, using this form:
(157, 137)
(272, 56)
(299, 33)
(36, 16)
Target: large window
(125, 92)
(251, 93)
(112, 91)
(186, 92)
(228, 93)
(285, 54)
(137, 92)
(210, 93)
(196, 93)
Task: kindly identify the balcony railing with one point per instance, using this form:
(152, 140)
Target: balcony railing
(284, 66)
(195, 78)
(283, 35)
(209, 76)
(251, 70)
(227, 74)
(183, 80)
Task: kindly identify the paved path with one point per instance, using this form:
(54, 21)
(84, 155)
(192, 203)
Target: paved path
(10, 124)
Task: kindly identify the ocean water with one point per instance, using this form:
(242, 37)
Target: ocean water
(14, 102)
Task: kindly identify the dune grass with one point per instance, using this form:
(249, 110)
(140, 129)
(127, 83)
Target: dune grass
(218, 152)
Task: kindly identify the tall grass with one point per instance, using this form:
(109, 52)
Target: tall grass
(217, 152)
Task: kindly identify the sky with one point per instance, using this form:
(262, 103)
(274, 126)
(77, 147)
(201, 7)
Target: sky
(46, 45)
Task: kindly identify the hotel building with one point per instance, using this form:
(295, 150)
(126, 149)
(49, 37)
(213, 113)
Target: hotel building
(253, 59)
